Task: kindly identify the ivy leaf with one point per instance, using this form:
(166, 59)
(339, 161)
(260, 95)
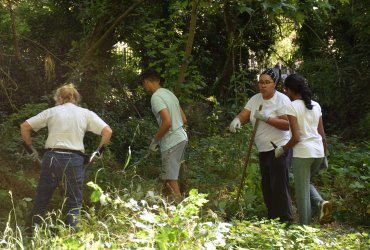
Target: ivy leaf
(95, 195)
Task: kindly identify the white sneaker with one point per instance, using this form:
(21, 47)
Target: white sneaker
(325, 209)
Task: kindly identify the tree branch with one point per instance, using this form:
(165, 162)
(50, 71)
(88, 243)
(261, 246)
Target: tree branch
(110, 30)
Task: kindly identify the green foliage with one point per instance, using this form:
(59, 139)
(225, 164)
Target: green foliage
(134, 133)
(243, 84)
(347, 180)
(335, 50)
(126, 223)
(273, 235)
(10, 130)
(165, 44)
(209, 158)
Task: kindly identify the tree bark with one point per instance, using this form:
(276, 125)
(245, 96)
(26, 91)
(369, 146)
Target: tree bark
(189, 46)
(221, 87)
(95, 46)
(14, 31)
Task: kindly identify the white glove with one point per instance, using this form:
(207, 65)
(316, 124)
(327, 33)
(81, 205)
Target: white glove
(154, 145)
(32, 152)
(279, 151)
(261, 116)
(324, 164)
(34, 156)
(235, 124)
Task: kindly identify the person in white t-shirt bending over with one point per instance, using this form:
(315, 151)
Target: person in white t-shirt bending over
(63, 159)
(309, 148)
(273, 127)
(171, 137)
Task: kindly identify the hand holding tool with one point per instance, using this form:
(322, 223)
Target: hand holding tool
(154, 145)
(235, 124)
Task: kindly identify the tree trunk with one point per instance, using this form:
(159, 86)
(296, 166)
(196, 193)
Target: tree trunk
(96, 59)
(14, 31)
(189, 46)
(96, 45)
(221, 87)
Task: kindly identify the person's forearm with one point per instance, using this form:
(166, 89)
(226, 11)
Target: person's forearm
(183, 117)
(278, 123)
(244, 116)
(291, 143)
(106, 134)
(26, 133)
(321, 131)
(163, 129)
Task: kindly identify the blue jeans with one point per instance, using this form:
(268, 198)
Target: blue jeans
(57, 167)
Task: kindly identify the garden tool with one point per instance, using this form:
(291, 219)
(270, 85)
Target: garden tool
(251, 141)
(142, 159)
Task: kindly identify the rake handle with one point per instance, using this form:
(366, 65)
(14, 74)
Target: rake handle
(251, 141)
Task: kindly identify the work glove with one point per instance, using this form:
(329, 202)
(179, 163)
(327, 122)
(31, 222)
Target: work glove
(279, 151)
(154, 145)
(235, 124)
(260, 115)
(98, 153)
(31, 151)
(324, 164)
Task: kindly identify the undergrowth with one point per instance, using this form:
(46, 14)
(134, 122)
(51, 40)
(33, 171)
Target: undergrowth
(122, 222)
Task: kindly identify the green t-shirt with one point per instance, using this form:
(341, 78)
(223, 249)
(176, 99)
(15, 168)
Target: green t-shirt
(161, 99)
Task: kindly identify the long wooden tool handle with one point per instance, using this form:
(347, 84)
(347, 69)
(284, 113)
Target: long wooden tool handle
(251, 141)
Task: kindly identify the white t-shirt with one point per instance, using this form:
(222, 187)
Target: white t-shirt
(274, 107)
(67, 125)
(161, 99)
(310, 144)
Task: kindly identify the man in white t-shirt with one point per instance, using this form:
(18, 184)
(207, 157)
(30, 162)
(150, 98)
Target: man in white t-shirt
(171, 137)
(63, 160)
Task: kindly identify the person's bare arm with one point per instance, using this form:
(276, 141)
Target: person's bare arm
(320, 129)
(296, 137)
(280, 122)
(183, 116)
(244, 116)
(106, 134)
(165, 125)
(26, 133)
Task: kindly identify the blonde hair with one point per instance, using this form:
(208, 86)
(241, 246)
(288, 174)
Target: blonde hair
(67, 93)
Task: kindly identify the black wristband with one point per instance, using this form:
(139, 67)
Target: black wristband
(101, 149)
(29, 148)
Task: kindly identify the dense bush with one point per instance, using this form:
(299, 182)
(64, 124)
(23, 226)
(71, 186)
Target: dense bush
(214, 165)
(10, 131)
(347, 181)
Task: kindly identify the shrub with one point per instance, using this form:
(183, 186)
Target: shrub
(214, 165)
(347, 180)
(10, 131)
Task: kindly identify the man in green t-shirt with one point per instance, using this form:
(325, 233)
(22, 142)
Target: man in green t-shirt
(171, 137)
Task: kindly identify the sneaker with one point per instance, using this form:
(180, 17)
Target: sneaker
(325, 210)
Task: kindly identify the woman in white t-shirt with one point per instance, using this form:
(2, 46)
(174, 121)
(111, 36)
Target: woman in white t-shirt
(309, 147)
(63, 161)
(273, 127)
